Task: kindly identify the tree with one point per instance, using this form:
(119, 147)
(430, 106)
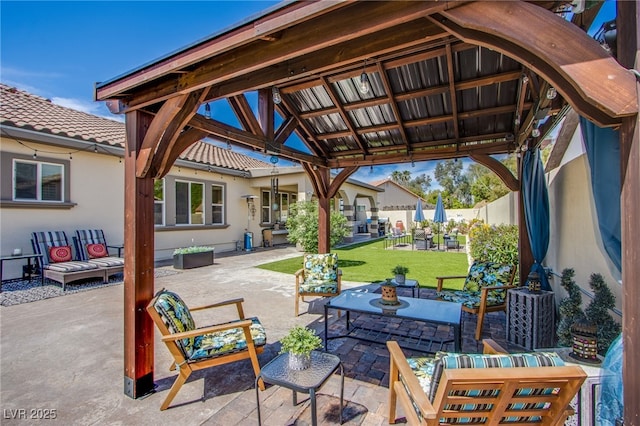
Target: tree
(420, 185)
(401, 177)
(455, 184)
(302, 224)
(486, 185)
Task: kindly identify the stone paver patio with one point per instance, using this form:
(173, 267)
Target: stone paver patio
(66, 354)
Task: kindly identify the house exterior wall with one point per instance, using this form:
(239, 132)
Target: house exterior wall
(96, 183)
(94, 199)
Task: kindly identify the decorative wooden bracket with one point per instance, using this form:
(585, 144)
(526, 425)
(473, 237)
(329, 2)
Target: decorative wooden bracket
(160, 139)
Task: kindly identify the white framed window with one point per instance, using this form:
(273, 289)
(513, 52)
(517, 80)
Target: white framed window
(38, 181)
(265, 204)
(158, 202)
(189, 203)
(217, 204)
(284, 207)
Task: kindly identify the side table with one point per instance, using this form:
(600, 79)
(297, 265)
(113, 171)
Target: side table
(412, 284)
(28, 257)
(323, 365)
(530, 318)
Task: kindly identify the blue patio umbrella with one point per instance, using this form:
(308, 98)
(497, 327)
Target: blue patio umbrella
(419, 216)
(439, 216)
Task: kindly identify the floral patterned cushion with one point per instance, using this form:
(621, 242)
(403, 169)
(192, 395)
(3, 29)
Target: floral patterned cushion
(470, 300)
(320, 273)
(481, 274)
(177, 317)
(227, 341)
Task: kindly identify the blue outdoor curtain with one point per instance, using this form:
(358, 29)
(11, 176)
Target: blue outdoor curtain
(603, 152)
(536, 208)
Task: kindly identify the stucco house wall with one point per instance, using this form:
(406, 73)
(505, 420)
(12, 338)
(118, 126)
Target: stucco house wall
(90, 151)
(96, 183)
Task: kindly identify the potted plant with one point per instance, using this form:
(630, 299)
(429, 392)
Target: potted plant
(299, 342)
(400, 273)
(193, 257)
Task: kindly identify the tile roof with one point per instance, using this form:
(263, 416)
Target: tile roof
(31, 112)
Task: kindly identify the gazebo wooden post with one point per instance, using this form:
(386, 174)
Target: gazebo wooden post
(325, 190)
(628, 22)
(138, 269)
(324, 225)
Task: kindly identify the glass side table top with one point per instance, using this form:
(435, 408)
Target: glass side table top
(277, 371)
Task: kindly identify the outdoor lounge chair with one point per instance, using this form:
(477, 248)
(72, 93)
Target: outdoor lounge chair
(196, 348)
(92, 247)
(319, 276)
(57, 259)
(482, 389)
(484, 290)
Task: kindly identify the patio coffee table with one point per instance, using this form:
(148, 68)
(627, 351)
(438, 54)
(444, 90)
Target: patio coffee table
(323, 365)
(423, 310)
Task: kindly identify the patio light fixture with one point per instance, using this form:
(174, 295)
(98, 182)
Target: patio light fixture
(207, 110)
(552, 93)
(364, 85)
(275, 93)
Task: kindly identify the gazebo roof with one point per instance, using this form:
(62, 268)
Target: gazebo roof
(446, 80)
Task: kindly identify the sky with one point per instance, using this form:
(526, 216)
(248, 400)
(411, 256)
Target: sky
(60, 49)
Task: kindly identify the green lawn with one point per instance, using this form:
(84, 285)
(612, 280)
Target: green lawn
(369, 262)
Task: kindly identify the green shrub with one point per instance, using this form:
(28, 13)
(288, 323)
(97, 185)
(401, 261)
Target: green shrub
(193, 249)
(497, 243)
(302, 225)
(570, 308)
(598, 313)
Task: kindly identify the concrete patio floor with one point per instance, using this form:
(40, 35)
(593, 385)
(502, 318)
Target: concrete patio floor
(66, 354)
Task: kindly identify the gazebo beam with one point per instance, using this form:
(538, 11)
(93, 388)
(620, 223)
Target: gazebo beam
(555, 49)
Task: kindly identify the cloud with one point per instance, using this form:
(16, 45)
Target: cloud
(18, 73)
(90, 107)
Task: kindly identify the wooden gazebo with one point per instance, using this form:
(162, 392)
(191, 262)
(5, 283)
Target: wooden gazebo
(372, 83)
